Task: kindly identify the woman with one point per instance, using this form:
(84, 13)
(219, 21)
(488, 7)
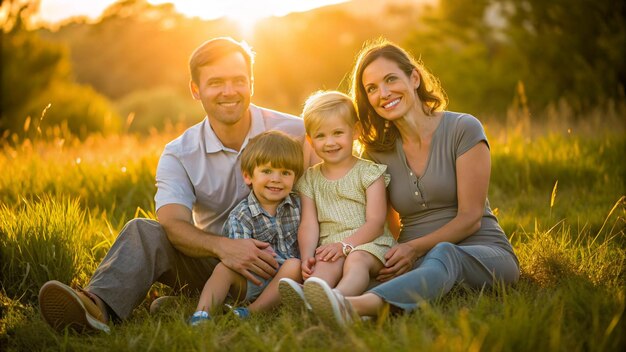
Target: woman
(439, 164)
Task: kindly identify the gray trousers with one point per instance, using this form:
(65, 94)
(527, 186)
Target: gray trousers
(444, 266)
(140, 256)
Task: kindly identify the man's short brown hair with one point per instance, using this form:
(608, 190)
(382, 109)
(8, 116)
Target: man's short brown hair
(214, 49)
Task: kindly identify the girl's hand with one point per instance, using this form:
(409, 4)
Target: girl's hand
(398, 260)
(329, 252)
(307, 266)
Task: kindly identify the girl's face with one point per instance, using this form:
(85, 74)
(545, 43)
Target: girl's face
(390, 92)
(332, 141)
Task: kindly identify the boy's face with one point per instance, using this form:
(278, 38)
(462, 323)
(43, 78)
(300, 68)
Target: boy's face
(270, 185)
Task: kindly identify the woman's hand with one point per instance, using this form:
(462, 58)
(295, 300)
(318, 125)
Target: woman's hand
(329, 252)
(307, 266)
(399, 260)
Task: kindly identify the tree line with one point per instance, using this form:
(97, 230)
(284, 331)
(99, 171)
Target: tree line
(128, 71)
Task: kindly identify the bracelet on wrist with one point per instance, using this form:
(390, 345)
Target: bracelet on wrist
(346, 248)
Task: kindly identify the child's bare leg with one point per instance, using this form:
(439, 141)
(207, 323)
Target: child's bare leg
(217, 287)
(357, 270)
(329, 271)
(270, 298)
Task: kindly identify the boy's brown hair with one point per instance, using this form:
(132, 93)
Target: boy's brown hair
(275, 148)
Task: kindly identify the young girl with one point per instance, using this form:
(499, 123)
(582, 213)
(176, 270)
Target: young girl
(342, 236)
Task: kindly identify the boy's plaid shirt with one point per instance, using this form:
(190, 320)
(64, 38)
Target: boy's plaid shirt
(249, 220)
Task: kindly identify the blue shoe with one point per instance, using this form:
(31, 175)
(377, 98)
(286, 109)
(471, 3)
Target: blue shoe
(241, 312)
(198, 318)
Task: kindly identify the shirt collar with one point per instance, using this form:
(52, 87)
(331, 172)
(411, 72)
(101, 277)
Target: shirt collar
(213, 144)
(256, 209)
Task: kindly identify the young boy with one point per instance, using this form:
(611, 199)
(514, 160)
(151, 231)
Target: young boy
(271, 163)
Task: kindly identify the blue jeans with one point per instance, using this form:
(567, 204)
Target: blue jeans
(445, 265)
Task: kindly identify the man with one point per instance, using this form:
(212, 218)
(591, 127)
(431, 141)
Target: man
(198, 182)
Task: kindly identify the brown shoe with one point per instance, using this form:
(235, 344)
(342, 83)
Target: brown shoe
(164, 303)
(61, 307)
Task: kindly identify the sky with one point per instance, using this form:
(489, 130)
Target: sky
(52, 11)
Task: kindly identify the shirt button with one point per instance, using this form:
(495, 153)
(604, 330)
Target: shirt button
(424, 205)
(417, 193)
(410, 173)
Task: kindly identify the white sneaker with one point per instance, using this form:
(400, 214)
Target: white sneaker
(292, 295)
(329, 305)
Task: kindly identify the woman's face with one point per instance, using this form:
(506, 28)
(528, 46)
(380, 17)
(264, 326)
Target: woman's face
(390, 92)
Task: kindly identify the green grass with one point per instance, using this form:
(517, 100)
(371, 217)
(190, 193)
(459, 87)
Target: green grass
(62, 202)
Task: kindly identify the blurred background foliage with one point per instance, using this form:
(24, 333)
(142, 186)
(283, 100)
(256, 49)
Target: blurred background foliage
(127, 72)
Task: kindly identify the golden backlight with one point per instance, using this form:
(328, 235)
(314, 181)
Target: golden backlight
(245, 12)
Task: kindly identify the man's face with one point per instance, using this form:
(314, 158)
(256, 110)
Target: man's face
(224, 88)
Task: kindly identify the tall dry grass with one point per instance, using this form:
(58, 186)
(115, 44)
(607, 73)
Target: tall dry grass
(558, 190)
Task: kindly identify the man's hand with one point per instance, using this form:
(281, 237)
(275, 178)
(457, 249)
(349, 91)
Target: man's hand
(248, 257)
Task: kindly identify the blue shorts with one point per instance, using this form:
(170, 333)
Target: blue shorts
(253, 291)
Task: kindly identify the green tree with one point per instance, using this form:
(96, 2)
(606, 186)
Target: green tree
(575, 51)
(37, 73)
(29, 65)
(467, 52)
(559, 50)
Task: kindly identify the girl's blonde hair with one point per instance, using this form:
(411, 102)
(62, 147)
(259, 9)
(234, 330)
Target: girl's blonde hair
(322, 104)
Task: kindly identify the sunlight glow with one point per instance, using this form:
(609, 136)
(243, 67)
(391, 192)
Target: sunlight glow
(245, 12)
(58, 10)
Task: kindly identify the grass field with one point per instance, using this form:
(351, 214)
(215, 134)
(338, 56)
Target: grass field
(557, 188)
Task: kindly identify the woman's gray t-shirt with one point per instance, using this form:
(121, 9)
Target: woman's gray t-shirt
(428, 202)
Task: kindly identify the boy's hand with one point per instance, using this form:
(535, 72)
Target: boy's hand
(248, 257)
(308, 266)
(329, 252)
